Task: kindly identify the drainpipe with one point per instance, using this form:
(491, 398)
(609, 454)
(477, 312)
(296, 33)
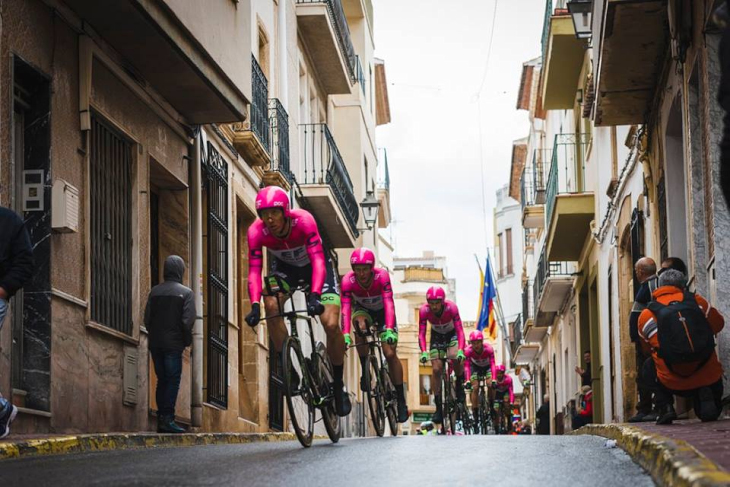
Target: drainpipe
(283, 78)
(196, 277)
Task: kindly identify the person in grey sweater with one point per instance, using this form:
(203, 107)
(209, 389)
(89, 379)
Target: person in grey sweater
(169, 318)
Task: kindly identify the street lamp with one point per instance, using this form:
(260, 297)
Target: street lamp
(370, 209)
(582, 13)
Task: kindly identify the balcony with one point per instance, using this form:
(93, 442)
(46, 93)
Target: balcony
(569, 207)
(164, 44)
(384, 215)
(562, 59)
(323, 26)
(516, 335)
(552, 285)
(627, 76)
(532, 187)
(279, 172)
(526, 353)
(531, 333)
(252, 138)
(326, 185)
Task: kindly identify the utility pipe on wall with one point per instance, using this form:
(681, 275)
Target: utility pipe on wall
(196, 278)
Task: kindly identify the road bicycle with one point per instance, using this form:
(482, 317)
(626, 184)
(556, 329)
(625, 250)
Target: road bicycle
(379, 388)
(456, 416)
(500, 419)
(482, 423)
(307, 379)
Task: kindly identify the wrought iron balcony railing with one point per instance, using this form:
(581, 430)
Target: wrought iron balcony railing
(546, 270)
(546, 28)
(567, 169)
(279, 123)
(342, 31)
(259, 111)
(517, 339)
(533, 178)
(323, 164)
(360, 74)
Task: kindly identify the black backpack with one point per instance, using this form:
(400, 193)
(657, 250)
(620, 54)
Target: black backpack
(685, 336)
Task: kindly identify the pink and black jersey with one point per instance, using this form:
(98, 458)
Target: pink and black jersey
(504, 386)
(447, 324)
(481, 362)
(377, 297)
(302, 247)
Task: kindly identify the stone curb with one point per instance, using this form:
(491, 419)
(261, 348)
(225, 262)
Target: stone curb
(126, 441)
(669, 462)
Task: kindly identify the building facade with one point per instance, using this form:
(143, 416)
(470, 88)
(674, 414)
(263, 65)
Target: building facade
(119, 151)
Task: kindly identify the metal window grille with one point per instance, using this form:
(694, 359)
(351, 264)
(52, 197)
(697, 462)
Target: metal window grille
(260, 105)
(279, 123)
(276, 391)
(111, 228)
(216, 172)
(662, 203)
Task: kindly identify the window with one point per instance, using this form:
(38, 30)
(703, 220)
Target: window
(508, 250)
(264, 57)
(111, 228)
(425, 391)
(500, 251)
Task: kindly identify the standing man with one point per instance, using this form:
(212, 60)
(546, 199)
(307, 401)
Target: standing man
(543, 416)
(645, 270)
(169, 317)
(292, 236)
(585, 374)
(16, 268)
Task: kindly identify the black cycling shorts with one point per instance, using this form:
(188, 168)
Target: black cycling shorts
(294, 276)
(375, 316)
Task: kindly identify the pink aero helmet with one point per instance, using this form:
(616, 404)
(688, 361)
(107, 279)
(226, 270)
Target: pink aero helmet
(272, 197)
(362, 256)
(435, 293)
(501, 369)
(476, 336)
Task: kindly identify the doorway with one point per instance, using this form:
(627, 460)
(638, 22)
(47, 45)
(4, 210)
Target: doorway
(248, 355)
(674, 182)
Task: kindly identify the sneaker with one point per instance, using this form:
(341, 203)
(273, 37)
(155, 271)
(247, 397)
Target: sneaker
(343, 406)
(402, 411)
(708, 408)
(667, 414)
(167, 424)
(638, 418)
(9, 414)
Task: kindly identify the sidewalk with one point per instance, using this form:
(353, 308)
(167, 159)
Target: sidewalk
(34, 445)
(687, 452)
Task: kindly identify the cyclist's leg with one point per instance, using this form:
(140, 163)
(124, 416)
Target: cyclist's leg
(331, 318)
(361, 323)
(394, 364)
(457, 367)
(276, 327)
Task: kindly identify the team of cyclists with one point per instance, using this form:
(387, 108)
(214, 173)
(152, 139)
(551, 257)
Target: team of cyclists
(292, 237)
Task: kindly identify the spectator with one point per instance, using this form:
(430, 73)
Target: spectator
(16, 268)
(670, 373)
(674, 263)
(585, 374)
(169, 318)
(584, 411)
(645, 270)
(543, 416)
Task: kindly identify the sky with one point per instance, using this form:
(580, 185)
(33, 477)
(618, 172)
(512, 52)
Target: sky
(435, 54)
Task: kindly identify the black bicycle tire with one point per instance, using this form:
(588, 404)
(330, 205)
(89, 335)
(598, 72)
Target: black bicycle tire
(375, 397)
(305, 438)
(483, 414)
(329, 415)
(391, 411)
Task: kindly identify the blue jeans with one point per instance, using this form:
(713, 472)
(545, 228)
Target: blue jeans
(168, 369)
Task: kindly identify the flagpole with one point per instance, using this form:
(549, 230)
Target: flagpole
(500, 314)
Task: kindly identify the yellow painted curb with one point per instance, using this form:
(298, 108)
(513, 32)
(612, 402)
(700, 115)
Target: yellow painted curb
(121, 441)
(668, 461)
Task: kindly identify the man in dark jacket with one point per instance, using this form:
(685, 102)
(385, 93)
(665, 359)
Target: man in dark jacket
(543, 417)
(16, 268)
(169, 318)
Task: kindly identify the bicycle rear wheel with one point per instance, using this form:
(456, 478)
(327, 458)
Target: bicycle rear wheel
(329, 416)
(375, 396)
(484, 422)
(391, 401)
(297, 388)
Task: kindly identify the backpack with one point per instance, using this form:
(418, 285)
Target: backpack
(684, 334)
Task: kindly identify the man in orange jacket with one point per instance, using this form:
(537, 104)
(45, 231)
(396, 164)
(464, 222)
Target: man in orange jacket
(702, 383)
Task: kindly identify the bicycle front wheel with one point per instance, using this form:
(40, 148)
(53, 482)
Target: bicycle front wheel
(297, 387)
(391, 401)
(375, 396)
(329, 416)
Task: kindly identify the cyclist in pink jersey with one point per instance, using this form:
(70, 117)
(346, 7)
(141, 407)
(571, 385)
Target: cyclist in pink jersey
(367, 297)
(447, 341)
(479, 363)
(292, 236)
(504, 393)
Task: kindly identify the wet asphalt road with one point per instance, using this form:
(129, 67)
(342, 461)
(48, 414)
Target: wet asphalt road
(407, 460)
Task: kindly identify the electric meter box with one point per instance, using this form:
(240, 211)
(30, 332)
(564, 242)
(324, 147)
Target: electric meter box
(64, 207)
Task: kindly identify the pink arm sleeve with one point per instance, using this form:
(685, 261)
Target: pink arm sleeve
(388, 303)
(255, 264)
(493, 365)
(316, 255)
(422, 324)
(511, 392)
(459, 328)
(467, 365)
(346, 307)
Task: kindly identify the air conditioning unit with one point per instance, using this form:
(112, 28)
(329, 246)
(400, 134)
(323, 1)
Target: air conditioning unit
(64, 207)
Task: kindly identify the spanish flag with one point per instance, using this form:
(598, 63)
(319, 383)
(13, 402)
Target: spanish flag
(487, 316)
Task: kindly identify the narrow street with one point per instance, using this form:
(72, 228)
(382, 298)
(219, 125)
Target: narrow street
(470, 460)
